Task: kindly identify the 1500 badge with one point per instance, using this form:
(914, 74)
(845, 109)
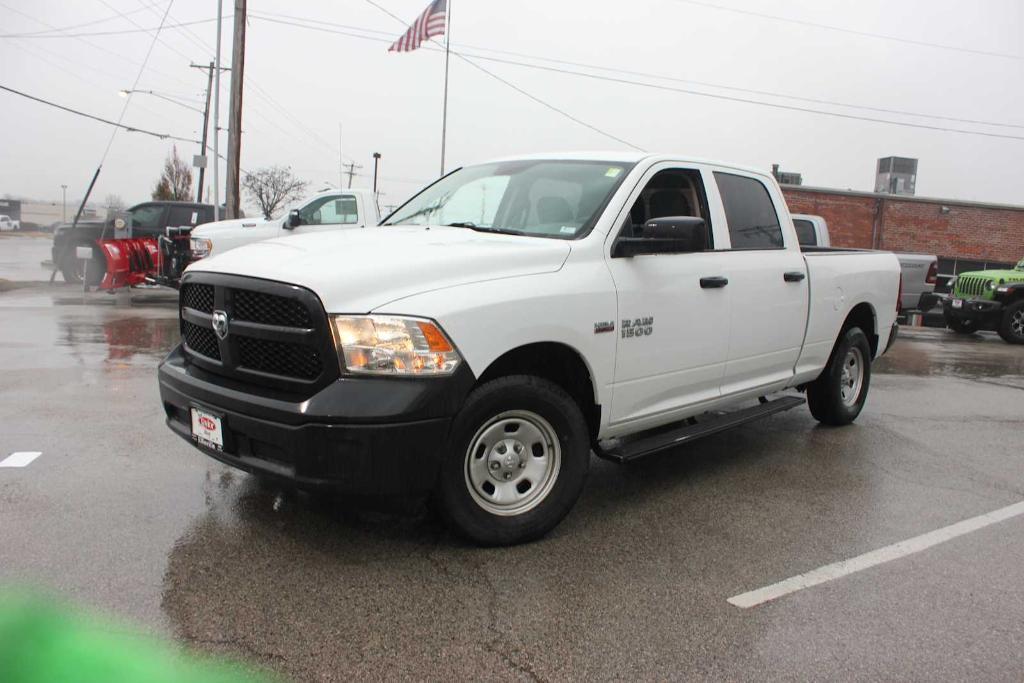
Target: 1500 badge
(638, 327)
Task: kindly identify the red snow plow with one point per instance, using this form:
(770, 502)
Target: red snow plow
(149, 244)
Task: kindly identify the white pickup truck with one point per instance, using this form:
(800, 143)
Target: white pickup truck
(513, 317)
(919, 271)
(7, 223)
(329, 210)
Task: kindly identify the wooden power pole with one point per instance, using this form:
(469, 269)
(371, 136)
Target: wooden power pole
(233, 200)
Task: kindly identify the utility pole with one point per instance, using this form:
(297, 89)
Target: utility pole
(63, 203)
(352, 166)
(376, 159)
(206, 125)
(235, 114)
(216, 119)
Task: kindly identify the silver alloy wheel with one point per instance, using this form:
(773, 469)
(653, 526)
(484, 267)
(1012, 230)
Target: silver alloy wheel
(512, 462)
(852, 378)
(1017, 323)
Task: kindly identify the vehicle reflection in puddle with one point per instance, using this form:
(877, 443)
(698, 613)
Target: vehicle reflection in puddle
(122, 338)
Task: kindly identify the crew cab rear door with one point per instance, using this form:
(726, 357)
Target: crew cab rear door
(672, 332)
(767, 282)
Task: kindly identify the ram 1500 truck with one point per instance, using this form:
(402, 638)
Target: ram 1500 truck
(331, 210)
(511, 318)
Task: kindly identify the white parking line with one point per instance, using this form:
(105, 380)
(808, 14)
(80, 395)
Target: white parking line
(870, 559)
(20, 459)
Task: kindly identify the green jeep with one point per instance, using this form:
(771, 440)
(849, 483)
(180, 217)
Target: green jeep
(988, 300)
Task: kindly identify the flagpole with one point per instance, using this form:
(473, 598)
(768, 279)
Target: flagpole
(444, 114)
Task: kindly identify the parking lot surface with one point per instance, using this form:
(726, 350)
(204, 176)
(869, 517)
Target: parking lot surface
(119, 515)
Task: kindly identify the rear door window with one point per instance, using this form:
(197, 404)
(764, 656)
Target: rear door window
(181, 216)
(805, 232)
(753, 221)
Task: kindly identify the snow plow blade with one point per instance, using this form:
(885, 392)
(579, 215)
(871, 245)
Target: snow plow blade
(129, 261)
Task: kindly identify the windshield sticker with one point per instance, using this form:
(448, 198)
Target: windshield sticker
(567, 230)
(613, 172)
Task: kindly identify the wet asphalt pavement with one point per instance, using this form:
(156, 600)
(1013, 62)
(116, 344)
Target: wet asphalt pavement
(123, 517)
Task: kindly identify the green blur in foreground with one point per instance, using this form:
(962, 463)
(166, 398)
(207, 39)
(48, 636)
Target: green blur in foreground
(42, 642)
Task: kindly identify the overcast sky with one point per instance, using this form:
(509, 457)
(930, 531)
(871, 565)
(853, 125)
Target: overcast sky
(301, 83)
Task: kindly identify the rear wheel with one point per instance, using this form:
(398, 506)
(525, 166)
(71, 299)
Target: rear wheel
(515, 462)
(961, 326)
(1011, 329)
(838, 395)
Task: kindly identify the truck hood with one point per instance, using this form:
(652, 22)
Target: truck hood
(356, 271)
(213, 230)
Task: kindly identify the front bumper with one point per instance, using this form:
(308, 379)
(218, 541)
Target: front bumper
(367, 436)
(984, 313)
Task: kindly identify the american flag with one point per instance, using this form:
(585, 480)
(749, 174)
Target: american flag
(427, 25)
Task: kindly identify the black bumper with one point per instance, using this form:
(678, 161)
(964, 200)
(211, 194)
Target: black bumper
(372, 436)
(983, 313)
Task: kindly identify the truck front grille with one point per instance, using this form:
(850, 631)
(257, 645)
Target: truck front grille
(277, 334)
(970, 286)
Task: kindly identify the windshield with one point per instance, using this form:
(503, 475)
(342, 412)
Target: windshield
(545, 198)
(1020, 264)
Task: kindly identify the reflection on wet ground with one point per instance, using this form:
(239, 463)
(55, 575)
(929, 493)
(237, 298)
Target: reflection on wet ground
(121, 338)
(924, 351)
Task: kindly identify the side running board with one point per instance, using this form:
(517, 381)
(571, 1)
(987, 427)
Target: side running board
(638, 445)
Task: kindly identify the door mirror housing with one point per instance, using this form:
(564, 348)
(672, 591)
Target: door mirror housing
(293, 221)
(670, 235)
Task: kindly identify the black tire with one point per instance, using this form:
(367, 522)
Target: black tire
(73, 268)
(1011, 328)
(498, 405)
(961, 326)
(825, 396)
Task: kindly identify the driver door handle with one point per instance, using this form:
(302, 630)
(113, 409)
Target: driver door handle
(713, 282)
(793, 276)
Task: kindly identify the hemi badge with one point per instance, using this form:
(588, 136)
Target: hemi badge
(608, 326)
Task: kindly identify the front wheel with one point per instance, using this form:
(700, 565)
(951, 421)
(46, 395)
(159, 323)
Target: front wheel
(838, 395)
(515, 462)
(961, 326)
(1011, 329)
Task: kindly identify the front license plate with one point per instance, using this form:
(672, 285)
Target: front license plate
(207, 430)
(958, 303)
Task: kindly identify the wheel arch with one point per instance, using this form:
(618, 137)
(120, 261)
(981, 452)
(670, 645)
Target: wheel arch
(558, 363)
(863, 316)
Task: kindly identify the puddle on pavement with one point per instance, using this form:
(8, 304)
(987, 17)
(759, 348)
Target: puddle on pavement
(949, 355)
(120, 339)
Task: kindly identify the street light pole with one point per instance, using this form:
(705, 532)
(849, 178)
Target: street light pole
(216, 119)
(63, 203)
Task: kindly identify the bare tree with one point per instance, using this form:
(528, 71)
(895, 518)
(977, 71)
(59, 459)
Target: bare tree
(272, 187)
(114, 203)
(175, 182)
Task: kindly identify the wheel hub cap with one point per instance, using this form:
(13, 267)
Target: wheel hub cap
(512, 462)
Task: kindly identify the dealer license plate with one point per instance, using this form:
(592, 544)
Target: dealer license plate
(207, 430)
(958, 303)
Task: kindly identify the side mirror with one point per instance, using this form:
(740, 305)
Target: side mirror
(293, 221)
(670, 235)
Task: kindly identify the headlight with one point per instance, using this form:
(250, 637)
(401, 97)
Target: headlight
(990, 285)
(392, 345)
(200, 247)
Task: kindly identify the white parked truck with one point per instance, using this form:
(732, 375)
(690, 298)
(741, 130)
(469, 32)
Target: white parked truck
(513, 317)
(8, 223)
(329, 210)
(920, 271)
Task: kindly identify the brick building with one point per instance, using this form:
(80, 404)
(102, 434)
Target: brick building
(965, 235)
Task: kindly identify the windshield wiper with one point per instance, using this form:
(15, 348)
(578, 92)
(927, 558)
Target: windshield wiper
(483, 228)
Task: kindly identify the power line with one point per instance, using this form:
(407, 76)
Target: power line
(699, 93)
(843, 29)
(130, 129)
(71, 28)
(596, 67)
(123, 15)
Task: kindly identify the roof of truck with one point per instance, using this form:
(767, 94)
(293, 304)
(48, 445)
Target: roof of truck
(626, 158)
